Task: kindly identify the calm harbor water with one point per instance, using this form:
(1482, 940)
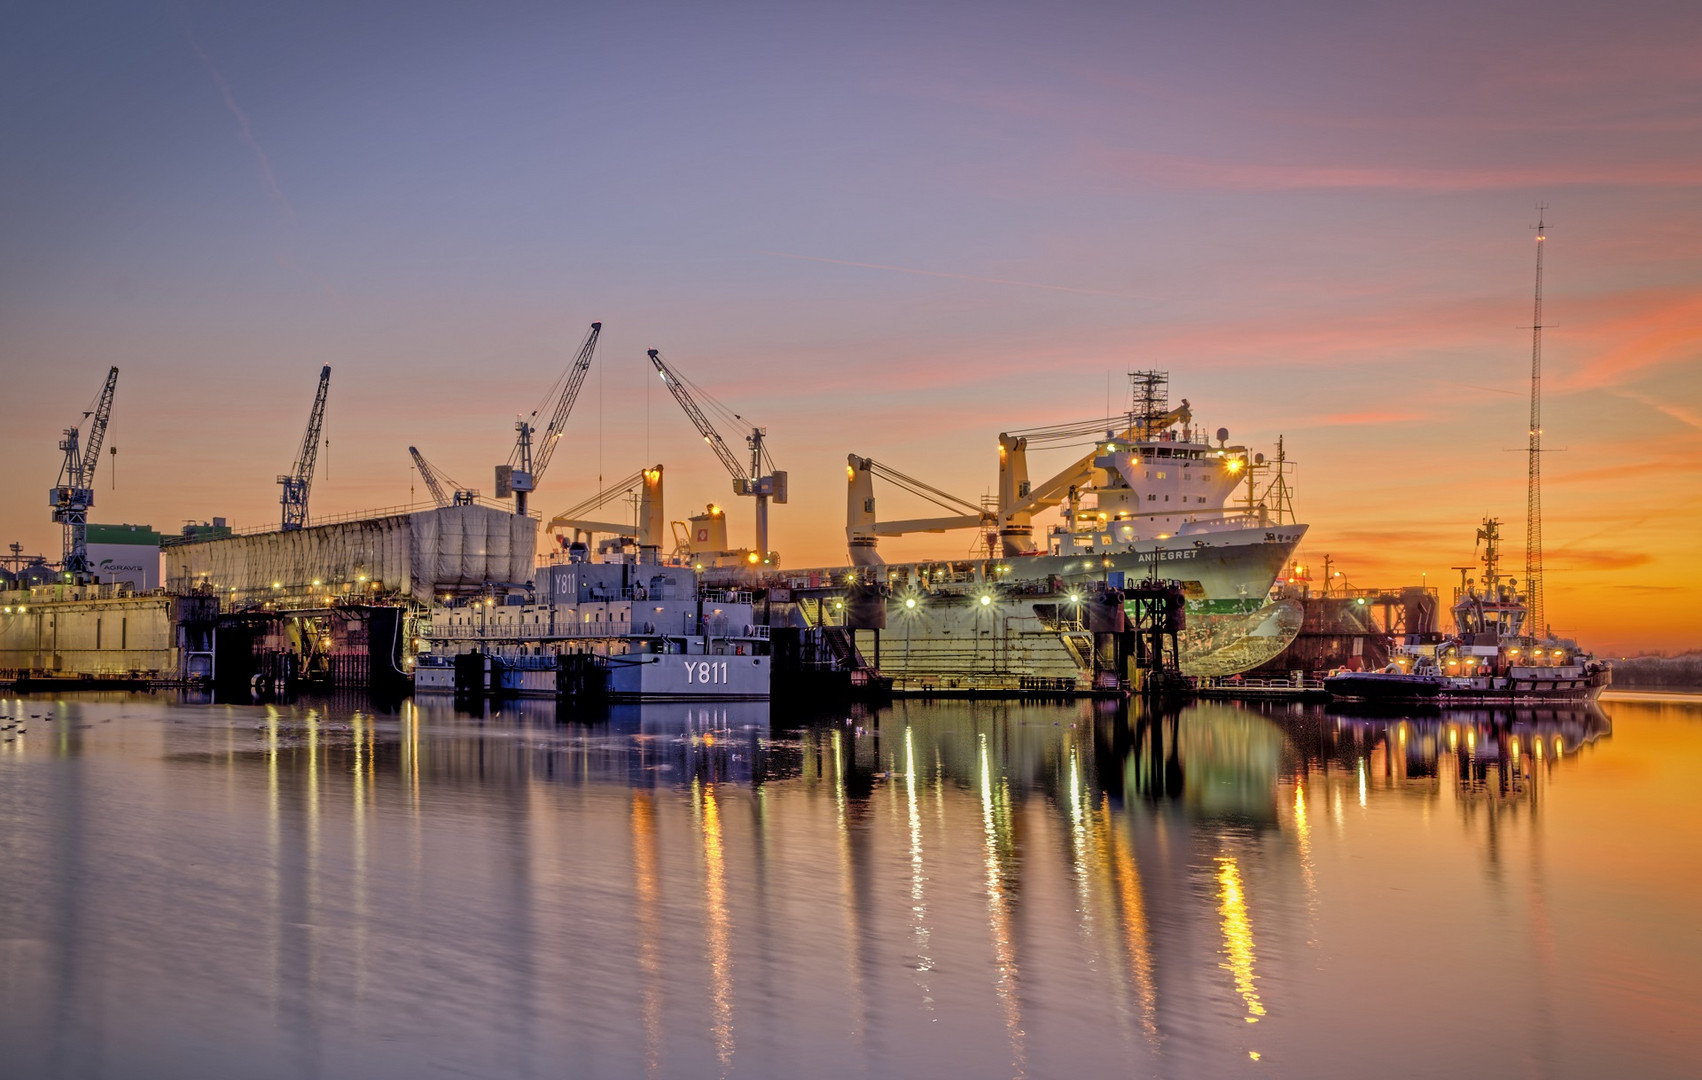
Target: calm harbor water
(933, 889)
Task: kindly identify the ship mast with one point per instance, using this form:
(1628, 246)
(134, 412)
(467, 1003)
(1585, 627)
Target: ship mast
(1535, 617)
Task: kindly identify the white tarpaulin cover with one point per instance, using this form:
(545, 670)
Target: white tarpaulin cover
(419, 553)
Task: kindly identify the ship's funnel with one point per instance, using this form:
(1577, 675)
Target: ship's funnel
(709, 531)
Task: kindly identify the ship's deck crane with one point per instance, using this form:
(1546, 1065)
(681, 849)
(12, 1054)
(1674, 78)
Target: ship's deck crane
(754, 482)
(72, 496)
(1018, 499)
(861, 527)
(300, 478)
(436, 480)
(527, 464)
(649, 528)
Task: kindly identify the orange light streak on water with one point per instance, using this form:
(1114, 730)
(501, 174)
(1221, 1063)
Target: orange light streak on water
(720, 928)
(1238, 948)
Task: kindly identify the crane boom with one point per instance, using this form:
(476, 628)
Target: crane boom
(648, 529)
(677, 387)
(437, 481)
(618, 488)
(751, 482)
(429, 475)
(564, 404)
(527, 464)
(97, 429)
(72, 496)
(300, 479)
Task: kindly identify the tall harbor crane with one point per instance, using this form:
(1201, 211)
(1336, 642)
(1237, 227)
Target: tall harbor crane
(527, 464)
(300, 478)
(72, 496)
(436, 480)
(751, 482)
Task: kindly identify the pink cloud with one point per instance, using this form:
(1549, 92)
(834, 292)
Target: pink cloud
(1169, 171)
(1637, 331)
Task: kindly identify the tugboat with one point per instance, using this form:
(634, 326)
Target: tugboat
(1490, 660)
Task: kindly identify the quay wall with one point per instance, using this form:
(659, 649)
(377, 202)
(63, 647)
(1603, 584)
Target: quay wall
(93, 630)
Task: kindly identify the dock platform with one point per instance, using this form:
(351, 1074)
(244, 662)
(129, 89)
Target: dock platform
(1235, 688)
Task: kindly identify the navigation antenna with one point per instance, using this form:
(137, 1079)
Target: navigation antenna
(1535, 617)
(1279, 496)
(1150, 393)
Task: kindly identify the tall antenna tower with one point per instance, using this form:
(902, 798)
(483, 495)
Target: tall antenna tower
(1535, 618)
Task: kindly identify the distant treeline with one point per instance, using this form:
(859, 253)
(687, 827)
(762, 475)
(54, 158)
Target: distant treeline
(1666, 672)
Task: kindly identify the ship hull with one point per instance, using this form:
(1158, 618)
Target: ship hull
(937, 634)
(1445, 690)
(1227, 572)
(688, 677)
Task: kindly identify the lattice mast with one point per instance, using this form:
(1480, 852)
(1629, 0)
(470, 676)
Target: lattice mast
(1535, 617)
(299, 482)
(1149, 393)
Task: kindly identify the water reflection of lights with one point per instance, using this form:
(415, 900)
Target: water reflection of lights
(1238, 936)
(719, 923)
(362, 774)
(998, 917)
(1303, 838)
(646, 879)
(1496, 757)
(918, 901)
(1079, 842)
(847, 883)
(1135, 926)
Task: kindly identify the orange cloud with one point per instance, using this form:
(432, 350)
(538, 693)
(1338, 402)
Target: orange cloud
(1368, 417)
(1686, 416)
(1565, 559)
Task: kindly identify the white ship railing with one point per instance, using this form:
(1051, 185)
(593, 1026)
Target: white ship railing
(714, 627)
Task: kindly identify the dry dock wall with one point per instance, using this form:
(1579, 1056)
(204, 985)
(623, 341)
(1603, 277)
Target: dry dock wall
(93, 630)
(416, 554)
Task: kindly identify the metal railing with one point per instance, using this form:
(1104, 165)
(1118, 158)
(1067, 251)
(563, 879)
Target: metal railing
(356, 515)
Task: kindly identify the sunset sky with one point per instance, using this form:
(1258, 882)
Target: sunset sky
(894, 229)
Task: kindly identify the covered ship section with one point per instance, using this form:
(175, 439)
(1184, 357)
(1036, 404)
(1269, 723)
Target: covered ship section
(411, 555)
(336, 604)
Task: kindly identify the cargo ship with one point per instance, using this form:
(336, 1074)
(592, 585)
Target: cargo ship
(1155, 497)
